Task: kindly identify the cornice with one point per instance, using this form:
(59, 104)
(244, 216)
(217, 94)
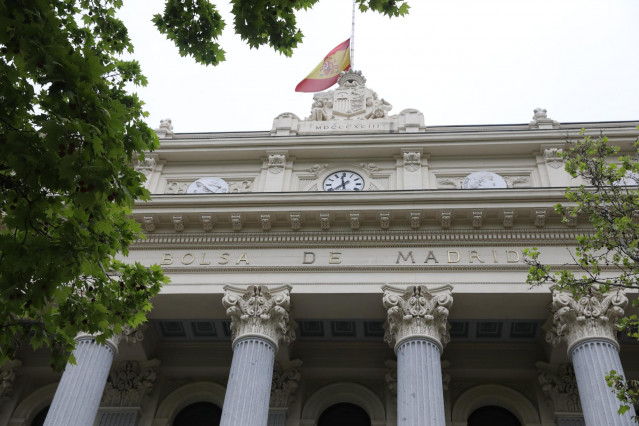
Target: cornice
(399, 238)
(370, 210)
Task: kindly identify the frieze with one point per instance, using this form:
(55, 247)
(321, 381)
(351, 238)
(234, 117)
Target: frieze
(339, 256)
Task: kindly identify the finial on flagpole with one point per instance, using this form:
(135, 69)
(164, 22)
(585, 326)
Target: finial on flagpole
(353, 38)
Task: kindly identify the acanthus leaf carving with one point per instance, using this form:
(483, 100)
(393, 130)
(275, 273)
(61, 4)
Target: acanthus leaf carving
(129, 382)
(258, 311)
(559, 384)
(587, 317)
(285, 383)
(417, 312)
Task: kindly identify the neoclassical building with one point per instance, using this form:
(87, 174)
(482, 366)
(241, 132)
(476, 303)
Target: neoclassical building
(350, 268)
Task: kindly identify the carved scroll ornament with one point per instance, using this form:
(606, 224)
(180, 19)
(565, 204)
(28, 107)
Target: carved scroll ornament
(586, 318)
(258, 311)
(416, 312)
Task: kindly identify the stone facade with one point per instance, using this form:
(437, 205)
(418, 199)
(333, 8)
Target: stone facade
(287, 299)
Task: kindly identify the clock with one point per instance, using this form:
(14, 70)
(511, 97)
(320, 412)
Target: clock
(208, 185)
(343, 180)
(483, 180)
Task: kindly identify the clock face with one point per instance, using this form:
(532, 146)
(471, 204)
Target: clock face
(343, 181)
(208, 185)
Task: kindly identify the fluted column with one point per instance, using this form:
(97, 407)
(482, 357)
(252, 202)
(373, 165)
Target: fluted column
(587, 325)
(417, 328)
(259, 322)
(77, 398)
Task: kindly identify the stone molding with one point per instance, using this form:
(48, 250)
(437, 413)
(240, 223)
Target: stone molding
(553, 157)
(285, 383)
(416, 312)
(412, 160)
(260, 312)
(301, 238)
(590, 317)
(559, 384)
(129, 382)
(8, 375)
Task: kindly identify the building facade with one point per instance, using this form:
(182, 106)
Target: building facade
(354, 267)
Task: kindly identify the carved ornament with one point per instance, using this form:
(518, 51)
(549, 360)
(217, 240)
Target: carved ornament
(586, 318)
(553, 157)
(542, 121)
(417, 312)
(415, 220)
(276, 163)
(412, 161)
(285, 383)
(8, 375)
(352, 100)
(296, 221)
(149, 224)
(258, 311)
(129, 382)
(559, 384)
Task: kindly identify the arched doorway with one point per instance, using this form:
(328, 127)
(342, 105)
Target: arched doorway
(39, 418)
(199, 414)
(492, 415)
(344, 414)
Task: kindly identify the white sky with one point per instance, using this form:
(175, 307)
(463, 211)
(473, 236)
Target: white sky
(457, 61)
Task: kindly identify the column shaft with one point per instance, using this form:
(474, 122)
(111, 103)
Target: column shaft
(77, 398)
(420, 393)
(592, 361)
(249, 387)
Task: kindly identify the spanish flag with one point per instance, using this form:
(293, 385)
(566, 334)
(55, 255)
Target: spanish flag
(327, 72)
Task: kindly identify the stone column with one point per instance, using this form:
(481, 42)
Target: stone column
(587, 325)
(77, 398)
(259, 322)
(417, 328)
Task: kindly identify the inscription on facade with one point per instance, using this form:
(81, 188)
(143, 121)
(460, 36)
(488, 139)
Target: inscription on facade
(344, 257)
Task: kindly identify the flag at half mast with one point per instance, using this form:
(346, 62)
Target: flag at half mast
(327, 72)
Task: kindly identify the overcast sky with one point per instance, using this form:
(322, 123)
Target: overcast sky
(457, 61)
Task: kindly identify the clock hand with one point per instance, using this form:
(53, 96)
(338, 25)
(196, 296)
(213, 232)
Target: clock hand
(343, 185)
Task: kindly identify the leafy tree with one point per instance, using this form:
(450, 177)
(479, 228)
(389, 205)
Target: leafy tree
(69, 132)
(607, 257)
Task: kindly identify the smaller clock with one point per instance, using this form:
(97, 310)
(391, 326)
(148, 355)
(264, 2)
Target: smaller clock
(343, 180)
(208, 185)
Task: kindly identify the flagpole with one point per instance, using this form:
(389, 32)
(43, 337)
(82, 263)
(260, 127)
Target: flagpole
(353, 38)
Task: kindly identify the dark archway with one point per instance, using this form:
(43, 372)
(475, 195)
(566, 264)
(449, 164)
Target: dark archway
(39, 418)
(199, 414)
(492, 415)
(344, 414)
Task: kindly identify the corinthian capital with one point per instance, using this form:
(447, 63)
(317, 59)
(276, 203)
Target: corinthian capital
(258, 311)
(586, 318)
(417, 312)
